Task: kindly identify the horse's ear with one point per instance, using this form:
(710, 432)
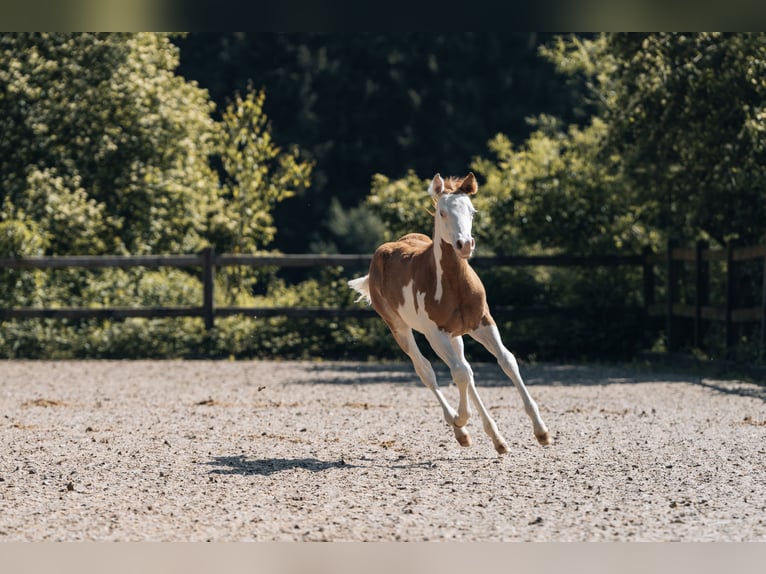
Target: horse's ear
(437, 186)
(468, 185)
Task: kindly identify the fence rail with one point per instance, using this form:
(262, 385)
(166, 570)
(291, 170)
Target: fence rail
(208, 261)
(671, 308)
(294, 260)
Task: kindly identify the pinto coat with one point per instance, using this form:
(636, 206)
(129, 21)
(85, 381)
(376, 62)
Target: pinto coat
(426, 285)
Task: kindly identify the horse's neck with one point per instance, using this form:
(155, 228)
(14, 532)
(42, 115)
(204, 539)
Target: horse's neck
(452, 272)
(454, 267)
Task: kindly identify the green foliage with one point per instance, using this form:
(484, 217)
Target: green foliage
(106, 149)
(103, 146)
(354, 230)
(684, 116)
(562, 191)
(257, 176)
(20, 238)
(556, 193)
(403, 205)
(546, 197)
(300, 338)
(559, 192)
(233, 337)
(685, 113)
(366, 103)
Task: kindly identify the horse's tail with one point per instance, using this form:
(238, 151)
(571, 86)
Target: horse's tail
(362, 286)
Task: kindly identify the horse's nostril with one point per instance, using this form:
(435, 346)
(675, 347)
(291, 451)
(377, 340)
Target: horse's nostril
(459, 244)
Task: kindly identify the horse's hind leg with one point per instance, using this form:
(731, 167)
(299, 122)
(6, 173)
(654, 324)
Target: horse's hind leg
(425, 371)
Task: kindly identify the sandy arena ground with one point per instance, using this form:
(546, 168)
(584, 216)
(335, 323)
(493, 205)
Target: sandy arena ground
(239, 451)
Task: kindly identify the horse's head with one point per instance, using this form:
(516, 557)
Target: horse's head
(454, 212)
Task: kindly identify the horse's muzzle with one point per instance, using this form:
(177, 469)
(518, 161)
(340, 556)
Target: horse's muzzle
(465, 249)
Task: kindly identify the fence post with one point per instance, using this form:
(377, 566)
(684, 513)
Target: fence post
(648, 269)
(701, 289)
(672, 288)
(730, 296)
(208, 276)
(763, 313)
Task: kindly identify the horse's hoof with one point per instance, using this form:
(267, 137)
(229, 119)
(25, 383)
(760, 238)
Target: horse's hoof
(502, 448)
(544, 438)
(463, 438)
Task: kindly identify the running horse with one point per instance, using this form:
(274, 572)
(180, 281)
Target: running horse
(428, 286)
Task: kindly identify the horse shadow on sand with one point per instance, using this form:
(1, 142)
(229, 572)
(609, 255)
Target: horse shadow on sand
(243, 466)
(266, 466)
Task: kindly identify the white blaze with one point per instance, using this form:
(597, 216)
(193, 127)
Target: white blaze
(439, 272)
(454, 219)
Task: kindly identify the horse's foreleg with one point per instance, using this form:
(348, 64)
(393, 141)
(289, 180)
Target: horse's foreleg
(450, 350)
(489, 336)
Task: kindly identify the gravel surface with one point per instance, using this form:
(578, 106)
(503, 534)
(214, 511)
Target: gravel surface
(238, 451)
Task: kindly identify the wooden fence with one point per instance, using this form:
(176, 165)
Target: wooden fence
(672, 309)
(695, 306)
(208, 261)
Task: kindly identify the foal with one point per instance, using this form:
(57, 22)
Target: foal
(417, 283)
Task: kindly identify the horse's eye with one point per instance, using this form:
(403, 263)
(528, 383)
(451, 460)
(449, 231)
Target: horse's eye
(442, 213)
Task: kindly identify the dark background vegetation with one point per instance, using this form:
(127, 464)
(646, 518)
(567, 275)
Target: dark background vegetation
(361, 104)
(309, 142)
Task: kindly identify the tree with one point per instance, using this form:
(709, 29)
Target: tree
(560, 191)
(554, 193)
(366, 103)
(686, 114)
(257, 175)
(104, 148)
(675, 148)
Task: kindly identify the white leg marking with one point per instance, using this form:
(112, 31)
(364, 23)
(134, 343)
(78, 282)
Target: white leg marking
(489, 336)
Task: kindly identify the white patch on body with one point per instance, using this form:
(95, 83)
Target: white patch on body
(414, 314)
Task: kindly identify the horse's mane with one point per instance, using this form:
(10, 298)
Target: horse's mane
(451, 185)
